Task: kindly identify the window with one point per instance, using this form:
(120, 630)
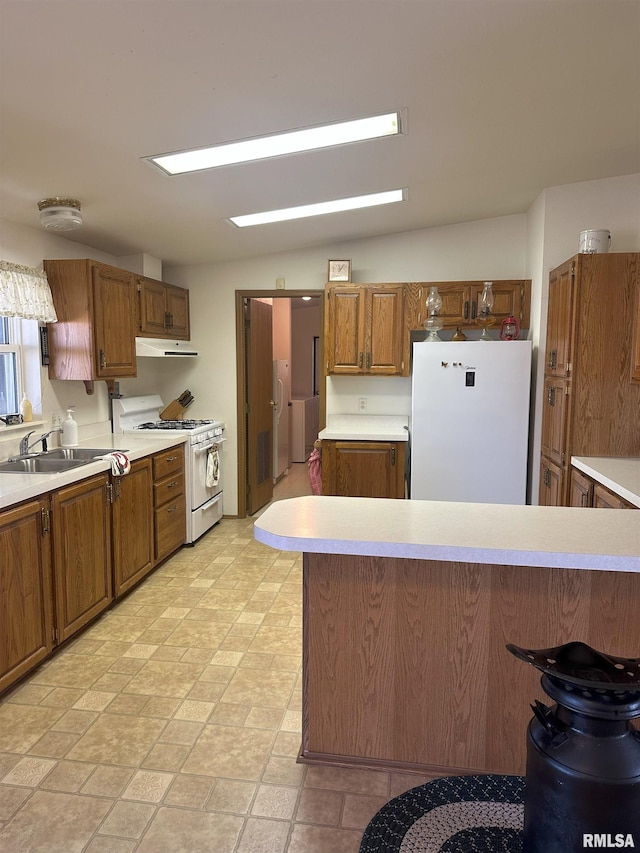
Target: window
(10, 376)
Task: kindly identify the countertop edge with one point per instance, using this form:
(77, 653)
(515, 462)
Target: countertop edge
(594, 467)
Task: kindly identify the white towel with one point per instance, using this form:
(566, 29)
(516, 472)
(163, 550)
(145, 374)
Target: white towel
(120, 464)
(213, 467)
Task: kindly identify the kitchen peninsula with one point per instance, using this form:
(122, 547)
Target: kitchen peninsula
(408, 606)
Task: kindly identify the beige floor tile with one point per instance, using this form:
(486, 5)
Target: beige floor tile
(29, 694)
(111, 682)
(401, 782)
(280, 770)
(192, 709)
(322, 839)
(256, 660)
(61, 697)
(94, 700)
(53, 822)
(196, 656)
(105, 844)
(68, 776)
(75, 721)
(264, 836)
(107, 781)
(185, 831)
(230, 752)
(150, 786)
(54, 744)
(275, 801)
(140, 650)
(127, 704)
(189, 791)
(169, 653)
(352, 781)
(268, 689)
(291, 721)
(22, 725)
(128, 819)
(166, 756)
(183, 732)
(225, 714)
(206, 691)
(11, 799)
(321, 807)
(75, 671)
(126, 666)
(264, 718)
(359, 809)
(115, 739)
(287, 744)
(164, 678)
(279, 640)
(230, 795)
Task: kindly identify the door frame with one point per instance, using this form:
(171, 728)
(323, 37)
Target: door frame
(241, 385)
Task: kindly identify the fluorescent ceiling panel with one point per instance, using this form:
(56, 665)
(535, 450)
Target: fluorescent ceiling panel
(341, 204)
(290, 142)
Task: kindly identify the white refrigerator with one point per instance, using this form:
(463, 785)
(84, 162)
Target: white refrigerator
(470, 421)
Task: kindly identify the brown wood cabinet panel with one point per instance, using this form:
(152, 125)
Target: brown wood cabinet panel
(94, 337)
(132, 526)
(560, 320)
(81, 553)
(169, 501)
(26, 597)
(364, 330)
(372, 469)
(552, 483)
(635, 346)
(400, 656)
(460, 302)
(581, 494)
(604, 498)
(163, 309)
(554, 419)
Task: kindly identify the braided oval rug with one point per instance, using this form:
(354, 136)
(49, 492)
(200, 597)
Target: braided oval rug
(455, 814)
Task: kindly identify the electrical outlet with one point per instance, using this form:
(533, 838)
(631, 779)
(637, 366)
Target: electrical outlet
(362, 404)
(56, 419)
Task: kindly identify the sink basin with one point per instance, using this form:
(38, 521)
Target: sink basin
(40, 465)
(85, 454)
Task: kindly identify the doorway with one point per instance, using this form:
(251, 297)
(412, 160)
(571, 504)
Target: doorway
(255, 352)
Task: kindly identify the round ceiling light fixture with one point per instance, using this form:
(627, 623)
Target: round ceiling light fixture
(60, 214)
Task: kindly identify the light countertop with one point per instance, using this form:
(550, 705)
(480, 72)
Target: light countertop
(366, 428)
(561, 537)
(620, 475)
(15, 488)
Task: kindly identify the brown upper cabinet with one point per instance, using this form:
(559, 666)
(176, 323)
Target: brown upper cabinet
(512, 297)
(635, 348)
(163, 310)
(364, 330)
(94, 337)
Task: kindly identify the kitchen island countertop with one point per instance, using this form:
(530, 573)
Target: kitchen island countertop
(15, 488)
(554, 537)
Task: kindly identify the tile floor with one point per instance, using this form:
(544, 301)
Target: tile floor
(172, 724)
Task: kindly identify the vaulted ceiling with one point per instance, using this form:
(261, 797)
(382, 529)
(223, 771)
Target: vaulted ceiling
(502, 98)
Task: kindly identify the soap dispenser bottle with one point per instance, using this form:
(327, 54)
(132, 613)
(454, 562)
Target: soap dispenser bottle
(26, 409)
(69, 430)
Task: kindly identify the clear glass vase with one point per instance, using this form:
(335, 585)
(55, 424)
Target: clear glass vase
(485, 317)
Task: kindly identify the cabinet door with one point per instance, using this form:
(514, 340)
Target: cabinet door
(114, 305)
(132, 526)
(581, 490)
(152, 307)
(555, 408)
(177, 302)
(509, 299)
(383, 323)
(26, 603)
(560, 320)
(603, 498)
(551, 483)
(170, 527)
(635, 342)
(81, 553)
(365, 469)
(345, 330)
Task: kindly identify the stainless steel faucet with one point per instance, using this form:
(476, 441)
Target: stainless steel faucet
(25, 447)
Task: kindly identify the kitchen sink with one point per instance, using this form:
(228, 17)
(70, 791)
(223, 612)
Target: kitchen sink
(54, 461)
(40, 465)
(85, 454)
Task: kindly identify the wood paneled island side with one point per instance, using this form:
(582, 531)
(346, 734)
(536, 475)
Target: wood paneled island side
(408, 606)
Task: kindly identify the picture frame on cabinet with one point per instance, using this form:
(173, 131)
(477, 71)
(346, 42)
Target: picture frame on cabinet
(339, 271)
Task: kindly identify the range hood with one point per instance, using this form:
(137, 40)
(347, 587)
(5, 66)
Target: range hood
(161, 348)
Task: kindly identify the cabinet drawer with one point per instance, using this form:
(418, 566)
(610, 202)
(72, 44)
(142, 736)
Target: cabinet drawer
(169, 462)
(168, 489)
(170, 527)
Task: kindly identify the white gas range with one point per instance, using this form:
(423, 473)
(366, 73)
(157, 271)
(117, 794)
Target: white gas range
(203, 454)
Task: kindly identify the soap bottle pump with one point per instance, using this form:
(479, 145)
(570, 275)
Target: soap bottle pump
(69, 430)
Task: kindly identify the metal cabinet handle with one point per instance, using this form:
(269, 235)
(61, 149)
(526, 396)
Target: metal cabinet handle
(103, 359)
(172, 509)
(368, 360)
(474, 309)
(552, 361)
(360, 359)
(466, 310)
(172, 485)
(551, 396)
(167, 320)
(171, 459)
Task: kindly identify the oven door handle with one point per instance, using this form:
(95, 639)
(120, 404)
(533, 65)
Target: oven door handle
(207, 445)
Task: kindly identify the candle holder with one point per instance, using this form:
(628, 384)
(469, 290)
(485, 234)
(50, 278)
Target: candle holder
(433, 323)
(485, 317)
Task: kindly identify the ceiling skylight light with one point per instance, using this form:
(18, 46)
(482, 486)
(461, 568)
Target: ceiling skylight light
(289, 142)
(340, 204)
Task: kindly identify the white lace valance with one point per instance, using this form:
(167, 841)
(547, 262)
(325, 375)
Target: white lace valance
(25, 292)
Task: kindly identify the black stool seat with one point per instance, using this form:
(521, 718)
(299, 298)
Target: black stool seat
(455, 814)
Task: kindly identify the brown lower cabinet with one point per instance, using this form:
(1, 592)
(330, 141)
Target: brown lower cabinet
(586, 492)
(26, 600)
(363, 469)
(65, 556)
